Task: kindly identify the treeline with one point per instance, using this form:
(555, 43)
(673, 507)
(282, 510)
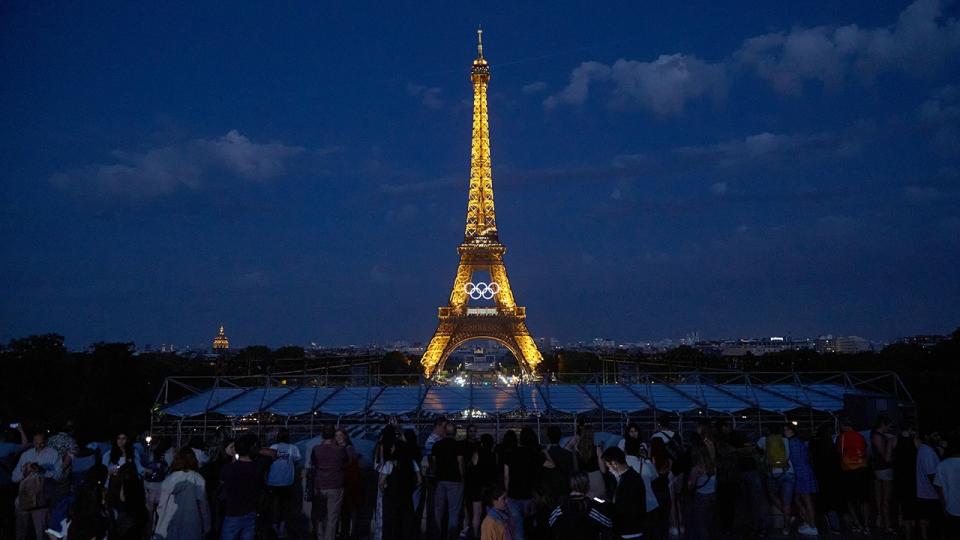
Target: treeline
(107, 387)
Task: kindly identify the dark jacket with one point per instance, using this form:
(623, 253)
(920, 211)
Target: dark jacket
(629, 504)
(578, 518)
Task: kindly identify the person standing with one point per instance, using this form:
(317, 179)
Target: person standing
(13, 441)
(883, 444)
(702, 486)
(183, 512)
(588, 460)
(558, 479)
(398, 478)
(947, 482)
(127, 502)
(447, 460)
(629, 497)
(36, 466)
(280, 481)
(928, 500)
(855, 476)
(241, 483)
(352, 490)
(632, 445)
(328, 461)
(780, 476)
(806, 481)
(481, 467)
(578, 517)
(905, 478)
(496, 525)
(520, 476)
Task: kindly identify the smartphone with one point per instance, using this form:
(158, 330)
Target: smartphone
(15, 425)
(599, 500)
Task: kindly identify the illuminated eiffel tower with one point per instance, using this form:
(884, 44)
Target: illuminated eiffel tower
(481, 250)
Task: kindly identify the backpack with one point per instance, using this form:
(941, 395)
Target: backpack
(672, 445)
(31, 495)
(853, 450)
(776, 453)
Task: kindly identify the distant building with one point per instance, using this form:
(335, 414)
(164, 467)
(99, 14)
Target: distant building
(221, 343)
(925, 341)
(842, 345)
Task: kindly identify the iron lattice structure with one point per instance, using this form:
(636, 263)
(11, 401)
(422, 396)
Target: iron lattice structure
(481, 251)
(205, 406)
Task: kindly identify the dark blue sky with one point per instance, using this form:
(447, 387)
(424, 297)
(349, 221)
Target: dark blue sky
(299, 173)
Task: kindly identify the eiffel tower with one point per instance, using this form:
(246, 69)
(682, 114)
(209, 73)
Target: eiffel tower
(481, 250)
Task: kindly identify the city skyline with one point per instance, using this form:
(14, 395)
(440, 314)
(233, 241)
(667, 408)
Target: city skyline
(726, 171)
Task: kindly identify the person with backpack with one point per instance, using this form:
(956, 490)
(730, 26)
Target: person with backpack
(780, 474)
(37, 466)
(855, 477)
(679, 465)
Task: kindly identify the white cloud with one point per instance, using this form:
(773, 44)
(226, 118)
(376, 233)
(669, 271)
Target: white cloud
(662, 86)
(429, 96)
(755, 148)
(920, 42)
(921, 194)
(163, 170)
(941, 114)
(534, 87)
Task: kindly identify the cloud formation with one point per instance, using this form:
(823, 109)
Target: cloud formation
(941, 114)
(163, 170)
(534, 87)
(756, 148)
(920, 42)
(662, 86)
(430, 96)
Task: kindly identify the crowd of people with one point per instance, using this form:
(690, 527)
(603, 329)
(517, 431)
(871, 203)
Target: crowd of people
(714, 482)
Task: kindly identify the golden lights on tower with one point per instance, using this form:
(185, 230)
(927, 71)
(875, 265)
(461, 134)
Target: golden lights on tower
(481, 250)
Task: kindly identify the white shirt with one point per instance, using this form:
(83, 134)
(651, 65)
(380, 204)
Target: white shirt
(281, 470)
(927, 462)
(48, 459)
(648, 471)
(948, 479)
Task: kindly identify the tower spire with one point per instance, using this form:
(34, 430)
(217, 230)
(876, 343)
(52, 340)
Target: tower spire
(479, 42)
(481, 216)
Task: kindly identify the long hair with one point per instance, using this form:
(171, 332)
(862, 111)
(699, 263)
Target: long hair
(700, 455)
(631, 446)
(410, 439)
(586, 447)
(486, 442)
(386, 446)
(528, 438)
(659, 455)
(185, 460)
(509, 441)
(116, 451)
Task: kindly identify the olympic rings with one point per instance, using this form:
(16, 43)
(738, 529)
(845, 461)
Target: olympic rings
(481, 290)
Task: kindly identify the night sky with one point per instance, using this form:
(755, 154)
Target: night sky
(299, 173)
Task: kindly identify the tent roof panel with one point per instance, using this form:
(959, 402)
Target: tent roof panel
(251, 402)
(398, 400)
